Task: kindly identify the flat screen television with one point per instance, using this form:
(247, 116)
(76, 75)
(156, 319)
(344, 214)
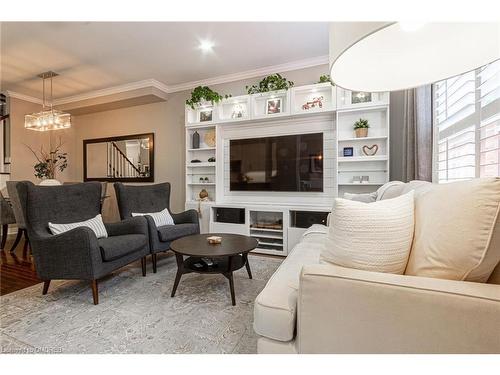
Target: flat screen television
(292, 163)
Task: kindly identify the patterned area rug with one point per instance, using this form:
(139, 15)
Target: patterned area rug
(136, 314)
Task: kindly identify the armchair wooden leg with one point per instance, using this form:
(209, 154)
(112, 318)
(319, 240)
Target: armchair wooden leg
(95, 292)
(26, 242)
(143, 265)
(5, 230)
(153, 258)
(17, 240)
(46, 284)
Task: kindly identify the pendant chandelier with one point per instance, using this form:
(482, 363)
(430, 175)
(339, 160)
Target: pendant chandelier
(406, 55)
(49, 118)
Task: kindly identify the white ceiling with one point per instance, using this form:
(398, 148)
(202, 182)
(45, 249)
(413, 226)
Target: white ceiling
(97, 55)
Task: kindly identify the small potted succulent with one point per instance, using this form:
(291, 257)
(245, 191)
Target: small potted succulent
(361, 128)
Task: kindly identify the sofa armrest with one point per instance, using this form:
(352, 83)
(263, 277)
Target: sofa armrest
(186, 217)
(73, 254)
(342, 310)
(133, 225)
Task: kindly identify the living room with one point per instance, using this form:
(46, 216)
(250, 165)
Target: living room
(322, 188)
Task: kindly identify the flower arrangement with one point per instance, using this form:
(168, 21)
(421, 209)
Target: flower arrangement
(48, 162)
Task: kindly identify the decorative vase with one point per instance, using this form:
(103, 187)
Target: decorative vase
(196, 140)
(361, 132)
(203, 194)
(49, 182)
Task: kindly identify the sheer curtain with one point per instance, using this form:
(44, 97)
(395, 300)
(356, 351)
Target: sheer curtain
(417, 134)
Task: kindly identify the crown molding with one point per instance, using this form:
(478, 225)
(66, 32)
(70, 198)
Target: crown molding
(168, 89)
(26, 98)
(294, 65)
(113, 90)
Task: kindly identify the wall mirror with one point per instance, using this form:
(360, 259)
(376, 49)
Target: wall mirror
(128, 158)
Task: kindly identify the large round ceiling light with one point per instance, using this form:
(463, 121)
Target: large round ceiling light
(402, 56)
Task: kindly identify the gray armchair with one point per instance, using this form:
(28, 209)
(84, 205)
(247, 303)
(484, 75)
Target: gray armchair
(6, 217)
(155, 198)
(78, 254)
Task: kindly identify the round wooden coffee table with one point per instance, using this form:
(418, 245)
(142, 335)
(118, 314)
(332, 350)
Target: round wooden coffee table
(228, 256)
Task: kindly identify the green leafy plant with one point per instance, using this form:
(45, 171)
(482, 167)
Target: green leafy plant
(273, 82)
(49, 162)
(204, 93)
(361, 123)
(325, 78)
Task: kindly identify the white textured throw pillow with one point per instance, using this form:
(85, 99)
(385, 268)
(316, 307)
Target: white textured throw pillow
(371, 236)
(96, 224)
(160, 218)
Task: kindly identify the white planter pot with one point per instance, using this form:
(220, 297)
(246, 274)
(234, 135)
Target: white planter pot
(49, 182)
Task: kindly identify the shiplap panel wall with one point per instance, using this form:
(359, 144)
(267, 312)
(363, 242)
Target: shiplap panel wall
(314, 124)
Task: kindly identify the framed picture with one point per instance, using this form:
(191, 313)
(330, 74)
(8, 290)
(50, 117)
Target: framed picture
(348, 151)
(206, 115)
(360, 97)
(273, 106)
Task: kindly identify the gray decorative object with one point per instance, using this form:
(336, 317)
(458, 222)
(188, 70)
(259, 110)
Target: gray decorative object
(196, 140)
(155, 198)
(78, 254)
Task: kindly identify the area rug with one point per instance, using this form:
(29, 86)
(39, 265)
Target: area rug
(136, 314)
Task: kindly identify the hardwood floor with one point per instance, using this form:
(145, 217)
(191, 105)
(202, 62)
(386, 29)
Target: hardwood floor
(17, 270)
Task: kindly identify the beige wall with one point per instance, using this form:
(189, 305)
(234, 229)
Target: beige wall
(22, 160)
(159, 118)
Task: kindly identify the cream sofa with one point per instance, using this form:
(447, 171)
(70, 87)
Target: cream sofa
(309, 307)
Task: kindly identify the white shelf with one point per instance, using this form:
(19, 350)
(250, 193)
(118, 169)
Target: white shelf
(199, 165)
(366, 108)
(201, 125)
(346, 159)
(280, 245)
(202, 183)
(209, 203)
(202, 149)
(362, 139)
(361, 170)
(267, 230)
(275, 237)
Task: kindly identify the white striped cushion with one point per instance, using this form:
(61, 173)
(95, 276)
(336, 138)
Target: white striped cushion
(371, 236)
(160, 218)
(96, 224)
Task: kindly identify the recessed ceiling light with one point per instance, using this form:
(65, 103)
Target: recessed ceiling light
(206, 45)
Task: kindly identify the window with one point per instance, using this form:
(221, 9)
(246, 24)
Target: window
(467, 125)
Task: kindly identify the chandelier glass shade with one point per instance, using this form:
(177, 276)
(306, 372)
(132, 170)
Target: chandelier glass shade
(48, 118)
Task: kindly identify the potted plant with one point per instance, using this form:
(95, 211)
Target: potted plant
(204, 94)
(48, 163)
(274, 82)
(325, 78)
(361, 128)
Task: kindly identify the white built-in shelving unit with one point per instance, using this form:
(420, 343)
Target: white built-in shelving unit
(341, 107)
(374, 107)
